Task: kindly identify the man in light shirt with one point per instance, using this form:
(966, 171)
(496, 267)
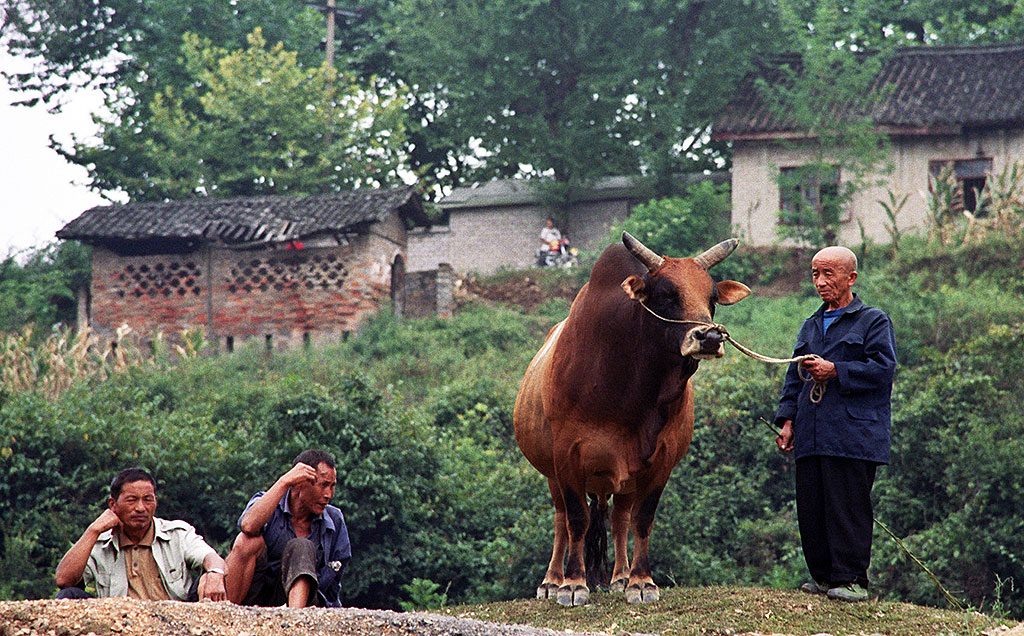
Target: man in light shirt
(128, 551)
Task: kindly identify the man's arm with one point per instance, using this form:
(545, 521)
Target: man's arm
(72, 565)
(262, 509)
(211, 583)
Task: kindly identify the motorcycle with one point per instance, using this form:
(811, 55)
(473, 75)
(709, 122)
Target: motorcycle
(558, 254)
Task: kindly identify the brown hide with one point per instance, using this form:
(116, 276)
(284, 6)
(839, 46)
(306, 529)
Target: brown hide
(605, 377)
(606, 405)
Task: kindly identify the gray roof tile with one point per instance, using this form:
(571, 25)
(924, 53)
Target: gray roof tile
(931, 87)
(243, 219)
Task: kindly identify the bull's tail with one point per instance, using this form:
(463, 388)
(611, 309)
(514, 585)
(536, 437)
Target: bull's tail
(595, 544)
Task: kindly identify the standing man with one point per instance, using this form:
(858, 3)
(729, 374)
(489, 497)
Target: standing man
(128, 551)
(293, 544)
(835, 412)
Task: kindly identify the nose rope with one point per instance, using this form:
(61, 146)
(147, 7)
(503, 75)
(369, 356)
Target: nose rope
(817, 389)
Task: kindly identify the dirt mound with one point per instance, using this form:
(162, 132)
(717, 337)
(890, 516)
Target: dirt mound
(128, 617)
(525, 290)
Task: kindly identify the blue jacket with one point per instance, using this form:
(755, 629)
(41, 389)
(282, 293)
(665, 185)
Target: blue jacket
(328, 532)
(853, 418)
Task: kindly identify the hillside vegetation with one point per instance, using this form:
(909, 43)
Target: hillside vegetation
(443, 509)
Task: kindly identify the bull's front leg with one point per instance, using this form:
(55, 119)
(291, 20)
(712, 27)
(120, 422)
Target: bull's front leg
(641, 587)
(622, 507)
(574, 590)
(555, 574)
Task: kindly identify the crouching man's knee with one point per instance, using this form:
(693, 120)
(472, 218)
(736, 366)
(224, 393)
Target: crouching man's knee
(248, 547)
(298, 572)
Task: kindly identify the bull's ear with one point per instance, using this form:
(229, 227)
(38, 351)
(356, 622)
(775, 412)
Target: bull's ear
(634, 288)
(730, 292)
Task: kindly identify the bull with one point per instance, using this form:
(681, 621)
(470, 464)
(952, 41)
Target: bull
(606, 408)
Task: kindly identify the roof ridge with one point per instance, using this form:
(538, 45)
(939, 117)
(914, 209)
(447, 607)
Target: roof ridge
(965, 49)
(215, 201)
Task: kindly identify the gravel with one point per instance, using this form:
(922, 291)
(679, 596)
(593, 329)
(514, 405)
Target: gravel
(128, 617)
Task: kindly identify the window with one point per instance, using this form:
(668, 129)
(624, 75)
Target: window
(970, 176)
(809, 195)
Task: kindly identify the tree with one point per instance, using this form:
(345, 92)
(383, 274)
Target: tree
(130, 48)
(566, 89)
(250, 121)
(40, 290)
(824, 92)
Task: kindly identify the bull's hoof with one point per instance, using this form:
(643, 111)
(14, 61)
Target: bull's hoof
(547, 591)
(643, 593)
(573, 595)
(618, 586)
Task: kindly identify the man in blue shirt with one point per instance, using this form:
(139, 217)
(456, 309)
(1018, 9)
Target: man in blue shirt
(835, 413)
(293, 544)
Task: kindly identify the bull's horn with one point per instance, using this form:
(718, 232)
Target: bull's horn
(651, 260)
(717, 254)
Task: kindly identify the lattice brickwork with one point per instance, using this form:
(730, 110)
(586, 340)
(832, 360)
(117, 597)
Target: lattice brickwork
(158, 279)
(326, 272)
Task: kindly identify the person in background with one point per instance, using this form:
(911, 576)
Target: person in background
(548, 234)
(129, 551)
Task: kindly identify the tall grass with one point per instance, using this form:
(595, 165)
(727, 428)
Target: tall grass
(52, 365)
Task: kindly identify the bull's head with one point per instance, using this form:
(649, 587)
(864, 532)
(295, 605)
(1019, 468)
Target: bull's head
(678, 290)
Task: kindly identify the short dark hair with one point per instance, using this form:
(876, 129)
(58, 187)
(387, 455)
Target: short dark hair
(127, 476)
(313, 457)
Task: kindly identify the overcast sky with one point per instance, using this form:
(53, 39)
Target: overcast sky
(39, 191)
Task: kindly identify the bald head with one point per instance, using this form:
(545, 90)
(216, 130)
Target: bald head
(834, 271)
(837, 255)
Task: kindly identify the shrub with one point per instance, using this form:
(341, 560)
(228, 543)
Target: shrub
(680, 226)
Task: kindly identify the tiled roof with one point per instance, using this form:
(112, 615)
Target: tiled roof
(241, 220)
(509, 192)
(933, 88)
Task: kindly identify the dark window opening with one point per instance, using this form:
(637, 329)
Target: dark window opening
(808, 196)
(970, 175)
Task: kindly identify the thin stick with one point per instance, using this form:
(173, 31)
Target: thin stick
(949, 597)
(777, 432)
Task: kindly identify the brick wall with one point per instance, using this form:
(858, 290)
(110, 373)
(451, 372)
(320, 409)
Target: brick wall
(430, 293)
(313, 295)
(483, 240)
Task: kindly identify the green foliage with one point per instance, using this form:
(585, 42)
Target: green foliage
(825, 93)
(418, 414)
(423, 595)
(40, 289)
(958, 475)
(254, 121)
(683, 225)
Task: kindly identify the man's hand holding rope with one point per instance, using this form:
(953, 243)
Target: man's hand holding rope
(820, 369)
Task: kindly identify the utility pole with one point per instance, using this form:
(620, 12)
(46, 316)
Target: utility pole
(331, 7)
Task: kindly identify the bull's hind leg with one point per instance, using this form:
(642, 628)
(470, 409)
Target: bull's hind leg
(622, 506)
(641, 587)
(555, 574)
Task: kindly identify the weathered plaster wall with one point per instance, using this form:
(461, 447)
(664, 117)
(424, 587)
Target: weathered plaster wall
(755, 192)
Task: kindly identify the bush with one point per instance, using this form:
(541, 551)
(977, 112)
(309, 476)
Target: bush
(681, 226)
(438, 497)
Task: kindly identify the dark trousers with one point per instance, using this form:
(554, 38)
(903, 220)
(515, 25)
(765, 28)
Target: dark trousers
(833, 505)
(270, 588)
(76, 593)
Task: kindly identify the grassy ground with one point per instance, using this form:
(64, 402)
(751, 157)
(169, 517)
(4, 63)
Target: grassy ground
(734, 610)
